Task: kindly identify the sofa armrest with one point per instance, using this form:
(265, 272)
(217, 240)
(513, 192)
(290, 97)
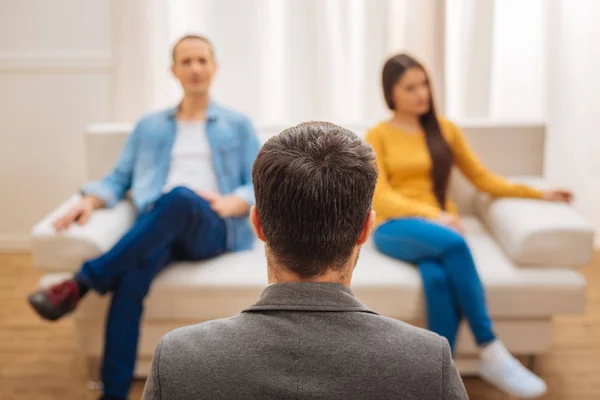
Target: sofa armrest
(537, 232)
(67, 250)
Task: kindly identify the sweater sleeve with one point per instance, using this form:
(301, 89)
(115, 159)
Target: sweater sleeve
(485, 180)
(387, 201)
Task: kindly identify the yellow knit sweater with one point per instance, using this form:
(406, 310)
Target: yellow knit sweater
(405, 188)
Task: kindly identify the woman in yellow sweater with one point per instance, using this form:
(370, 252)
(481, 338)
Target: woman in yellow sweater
(419, 224)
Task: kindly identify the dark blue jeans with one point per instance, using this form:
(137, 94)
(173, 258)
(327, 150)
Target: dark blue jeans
(450, 279)
(180, 225)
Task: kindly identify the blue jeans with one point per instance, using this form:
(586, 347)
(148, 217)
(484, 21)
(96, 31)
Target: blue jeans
(450, 279)
(180, 225)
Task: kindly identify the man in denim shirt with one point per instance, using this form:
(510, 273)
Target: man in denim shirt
(189, 173)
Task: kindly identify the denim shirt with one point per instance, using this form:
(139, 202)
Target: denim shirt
(144, 163)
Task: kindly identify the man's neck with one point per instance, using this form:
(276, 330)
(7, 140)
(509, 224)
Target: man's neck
(193, 107)
(278, 274)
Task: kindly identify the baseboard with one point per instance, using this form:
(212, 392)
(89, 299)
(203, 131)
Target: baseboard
(10, 242)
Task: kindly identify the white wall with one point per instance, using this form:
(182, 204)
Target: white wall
(55, 79)
(573, 146)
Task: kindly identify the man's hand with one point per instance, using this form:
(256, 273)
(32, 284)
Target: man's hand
(451, 221)
(563, 196)
(229, 206)
(208, 195)
(80, 212)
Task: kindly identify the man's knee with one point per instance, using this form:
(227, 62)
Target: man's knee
(180, 193)
(179, 197)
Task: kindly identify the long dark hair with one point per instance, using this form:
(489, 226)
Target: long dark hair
(439, 150)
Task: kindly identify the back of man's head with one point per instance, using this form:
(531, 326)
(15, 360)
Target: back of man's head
(314, 185)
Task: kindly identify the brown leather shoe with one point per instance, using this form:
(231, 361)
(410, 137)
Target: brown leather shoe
(54, 302)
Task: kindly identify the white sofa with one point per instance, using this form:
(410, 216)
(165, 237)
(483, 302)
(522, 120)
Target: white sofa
(527, 253)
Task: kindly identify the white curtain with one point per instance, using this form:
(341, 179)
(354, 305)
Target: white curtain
(280, 61)
(496, 59)
(141, 62)
(284, 61)
(573, 141)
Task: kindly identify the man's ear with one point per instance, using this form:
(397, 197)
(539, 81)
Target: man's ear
(367, 228)
(256, 225)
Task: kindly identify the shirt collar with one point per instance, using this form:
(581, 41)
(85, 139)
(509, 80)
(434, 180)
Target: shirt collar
(308, 296)
(212, 112)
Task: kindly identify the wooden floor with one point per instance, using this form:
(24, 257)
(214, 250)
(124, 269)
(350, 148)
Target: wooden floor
(39, 360)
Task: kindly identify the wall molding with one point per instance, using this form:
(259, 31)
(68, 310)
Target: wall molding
(56, 61)
(11, 242)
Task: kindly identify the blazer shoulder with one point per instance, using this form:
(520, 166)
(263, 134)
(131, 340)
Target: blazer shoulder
(409, 336)
(203, 332)
(408, 330)
(423, 350)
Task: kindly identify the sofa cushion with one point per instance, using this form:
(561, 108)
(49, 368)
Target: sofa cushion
(537, 233)
(221, 287)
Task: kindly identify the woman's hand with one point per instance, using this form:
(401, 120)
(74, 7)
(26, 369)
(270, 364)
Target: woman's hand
(450, 220)
(563, 196)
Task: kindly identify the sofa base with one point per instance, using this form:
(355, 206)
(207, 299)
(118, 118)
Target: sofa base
(467, 366)
(525, 338)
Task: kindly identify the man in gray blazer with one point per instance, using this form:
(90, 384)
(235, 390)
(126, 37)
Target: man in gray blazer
(308, 337)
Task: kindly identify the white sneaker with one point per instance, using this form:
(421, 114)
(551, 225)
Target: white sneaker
(499, 368)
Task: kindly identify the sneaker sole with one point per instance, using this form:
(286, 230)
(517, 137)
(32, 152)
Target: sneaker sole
(42, 312)
(504, 389)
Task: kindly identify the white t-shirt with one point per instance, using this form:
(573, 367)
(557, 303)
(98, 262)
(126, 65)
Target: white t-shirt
(191, 161)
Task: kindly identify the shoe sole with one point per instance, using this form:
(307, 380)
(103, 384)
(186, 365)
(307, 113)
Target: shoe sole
(505, 390)
(42, 312)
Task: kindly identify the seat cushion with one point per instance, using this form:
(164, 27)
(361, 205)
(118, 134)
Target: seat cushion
(222, 287)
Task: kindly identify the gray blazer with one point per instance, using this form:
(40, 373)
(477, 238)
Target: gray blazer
(304, 341)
